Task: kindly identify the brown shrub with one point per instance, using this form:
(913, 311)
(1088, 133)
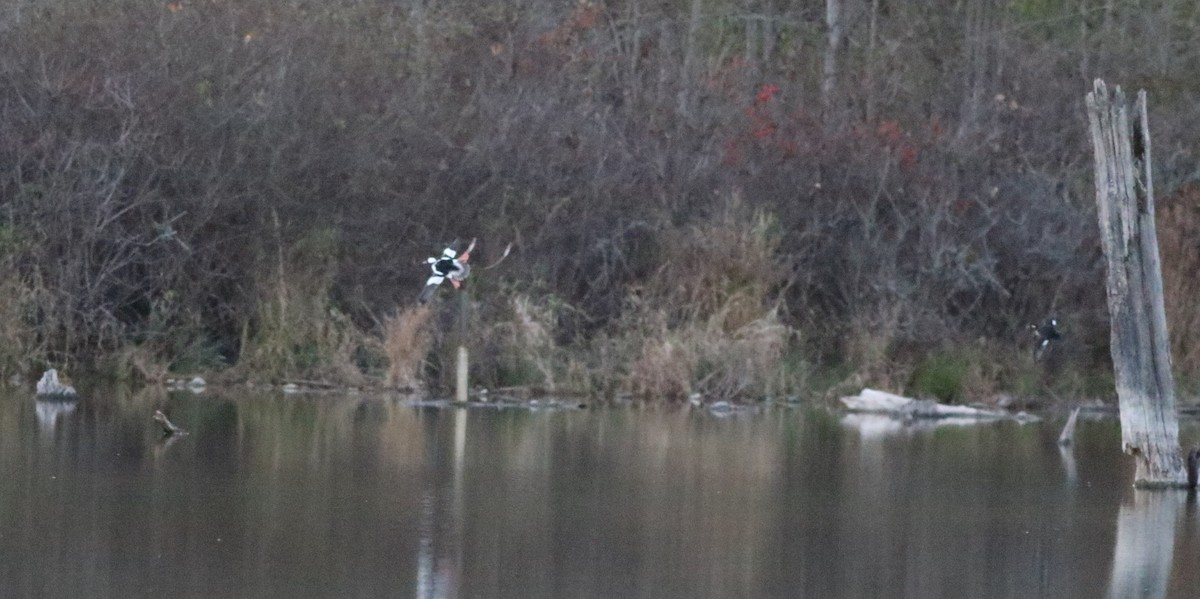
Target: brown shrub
(406, 343)
(298, 331)
(719, 272)
(708, 322)
(664, 369)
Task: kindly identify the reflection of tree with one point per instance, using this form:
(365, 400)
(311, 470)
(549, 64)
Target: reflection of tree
(950, 511)
(440, 551)
(1145, 544)
(352, 496)
(1070, 470)
(48, 413)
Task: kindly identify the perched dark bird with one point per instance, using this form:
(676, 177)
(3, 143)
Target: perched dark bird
(1046, 334)
(450, 266)
(1193, 464)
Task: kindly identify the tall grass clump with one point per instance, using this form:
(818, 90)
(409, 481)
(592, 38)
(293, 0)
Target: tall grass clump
(708, 322)
(663, 369)
(406, 343)
(299, 332)
(529, 355)
(521, 345)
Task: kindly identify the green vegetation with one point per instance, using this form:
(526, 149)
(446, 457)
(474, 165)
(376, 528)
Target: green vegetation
(943, 376)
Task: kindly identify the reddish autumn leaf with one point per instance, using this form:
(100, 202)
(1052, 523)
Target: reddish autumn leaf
(890, 132)
(766, 92)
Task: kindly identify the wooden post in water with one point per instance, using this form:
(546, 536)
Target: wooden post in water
(460, 374)
(1141, 354)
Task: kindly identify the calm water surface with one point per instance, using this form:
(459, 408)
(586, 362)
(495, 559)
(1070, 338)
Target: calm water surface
(274, 496)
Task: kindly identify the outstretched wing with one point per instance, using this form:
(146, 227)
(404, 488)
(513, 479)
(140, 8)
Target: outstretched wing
(426, 294)
(430, 286)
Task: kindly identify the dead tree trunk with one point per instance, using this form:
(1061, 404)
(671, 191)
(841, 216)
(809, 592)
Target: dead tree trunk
(1141, 353)
(829, 74)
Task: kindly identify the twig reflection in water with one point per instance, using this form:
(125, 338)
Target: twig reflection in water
(1067, 437)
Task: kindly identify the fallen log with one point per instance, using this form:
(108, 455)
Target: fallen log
(881, 402)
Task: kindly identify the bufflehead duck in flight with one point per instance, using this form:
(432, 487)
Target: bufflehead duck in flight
(450, 265)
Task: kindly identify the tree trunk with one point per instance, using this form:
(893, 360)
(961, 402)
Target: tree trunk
(872, 61)
(690, 52)
(1140, 350)
(829, 75)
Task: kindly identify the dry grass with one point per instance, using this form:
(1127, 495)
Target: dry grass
(665, 369)
(299, 333)
(708, 322)
(145, 361)
(521, 345)
(704, 358)
(406, 343)
(532, 324)
(868, 349)
(723, 269)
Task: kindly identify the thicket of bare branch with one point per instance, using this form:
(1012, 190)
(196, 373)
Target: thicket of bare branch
(257, 182)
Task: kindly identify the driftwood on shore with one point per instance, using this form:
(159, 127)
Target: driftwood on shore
(49, 387)
(881, 402)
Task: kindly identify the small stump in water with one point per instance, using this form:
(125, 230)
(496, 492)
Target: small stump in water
(49, 387)
(169, 428)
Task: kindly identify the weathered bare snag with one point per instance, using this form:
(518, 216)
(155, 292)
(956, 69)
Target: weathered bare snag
(1139, 343)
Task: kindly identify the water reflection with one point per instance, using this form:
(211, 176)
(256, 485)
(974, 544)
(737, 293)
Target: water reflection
(1145, 544)
(355, 496)
(50, 411)
(439, 558)
(1070, 470)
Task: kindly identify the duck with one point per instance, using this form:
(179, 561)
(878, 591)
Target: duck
(1046, 334)
(449, 266)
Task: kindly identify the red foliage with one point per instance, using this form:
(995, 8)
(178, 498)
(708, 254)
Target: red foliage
(889, 132)
(762, 124)
(765, 93)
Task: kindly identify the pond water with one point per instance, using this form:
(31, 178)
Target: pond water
(345, 496)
